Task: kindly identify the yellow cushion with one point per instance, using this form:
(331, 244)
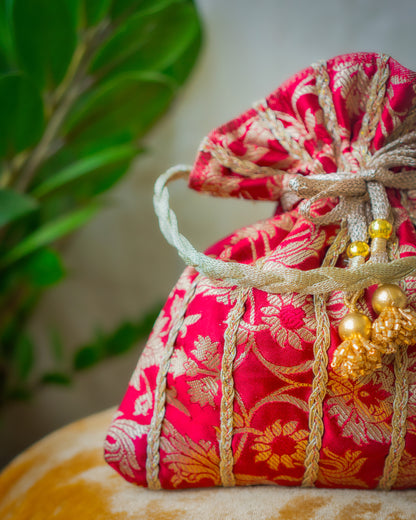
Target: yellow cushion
(64, 477)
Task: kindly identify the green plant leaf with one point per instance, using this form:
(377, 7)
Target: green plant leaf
(14, 205)
(126, 8)
(87, 356)
(21, 122)
(84, 167)
(95, 10)
(45, 38)
(121, 340)
(6, 41)
(182, 65)
(149, 41)
(129, 104)
(24, 356)
(128, 334)
(56, 378)
(49, 232)
(44, 268)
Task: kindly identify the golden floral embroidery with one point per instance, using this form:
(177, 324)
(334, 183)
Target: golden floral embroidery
(180, 365)
(277, 434)
(340, 470)
(258, 234)
(397, 117)
(172, 400)
(407, 471)
(291, 319)
(222, 293)
(203, 391)
(205, 361)
(304, 243)
(189, 320)
(353, 84)
(362, 408)
(189, 461)
(119, 445)
(144, 401)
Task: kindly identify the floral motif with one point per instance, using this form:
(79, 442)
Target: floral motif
(204, 365)
(119, 444)
(340, 470)
(188, 460)
(291, 319)
(144, 402)
(304, 244)
(277, 435)
(189, 320)
(222, 293)
(204, 389)
(407, 471)
(353, 82)
(362, 408)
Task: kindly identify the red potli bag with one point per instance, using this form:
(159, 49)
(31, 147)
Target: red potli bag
(286, 354)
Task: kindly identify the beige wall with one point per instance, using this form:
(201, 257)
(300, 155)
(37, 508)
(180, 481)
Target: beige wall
(120, 264)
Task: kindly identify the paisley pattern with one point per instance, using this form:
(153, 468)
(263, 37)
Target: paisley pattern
(318, 121)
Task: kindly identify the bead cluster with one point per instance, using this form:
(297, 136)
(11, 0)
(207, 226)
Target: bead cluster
(364, 343)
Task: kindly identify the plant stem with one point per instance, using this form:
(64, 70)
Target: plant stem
(74, 84)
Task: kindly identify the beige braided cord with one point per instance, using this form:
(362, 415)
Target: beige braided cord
(153, 437)
(398, 434)
(319, 384)
(227, 386)
(276, 279)
(375, 103)
(326, 102)
(400, 409)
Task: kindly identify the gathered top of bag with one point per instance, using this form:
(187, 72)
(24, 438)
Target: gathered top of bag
(330, 117)
(341, 130)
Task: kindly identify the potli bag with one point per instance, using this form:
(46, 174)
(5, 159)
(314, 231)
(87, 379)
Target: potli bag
(286, 354)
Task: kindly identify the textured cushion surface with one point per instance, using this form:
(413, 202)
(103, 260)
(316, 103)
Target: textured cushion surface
(64, 477)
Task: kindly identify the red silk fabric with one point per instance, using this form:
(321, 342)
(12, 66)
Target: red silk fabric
(272, 370)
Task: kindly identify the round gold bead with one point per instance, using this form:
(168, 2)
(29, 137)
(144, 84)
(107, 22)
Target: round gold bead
(355, 324)
(388, 295)
(380, 228)
(358, 248)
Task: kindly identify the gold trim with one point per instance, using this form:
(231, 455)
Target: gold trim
(153, 436)
(398, 423)
(227, 385)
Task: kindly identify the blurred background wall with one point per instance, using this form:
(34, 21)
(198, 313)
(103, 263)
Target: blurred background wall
(120, 264)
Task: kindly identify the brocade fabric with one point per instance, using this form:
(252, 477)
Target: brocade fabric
(272, 369)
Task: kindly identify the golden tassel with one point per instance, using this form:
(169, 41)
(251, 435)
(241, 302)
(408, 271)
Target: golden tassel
(356, 356)
(396, 323)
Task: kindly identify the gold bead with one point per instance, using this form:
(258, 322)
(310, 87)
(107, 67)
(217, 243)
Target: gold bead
(380, 228)
(355, 324)
(388, 295)
(358, 248)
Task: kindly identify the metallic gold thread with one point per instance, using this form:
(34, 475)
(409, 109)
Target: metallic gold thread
(153, 436)
(227, 385)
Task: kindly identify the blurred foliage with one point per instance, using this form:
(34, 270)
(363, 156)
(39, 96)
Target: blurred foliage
(81, 82)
